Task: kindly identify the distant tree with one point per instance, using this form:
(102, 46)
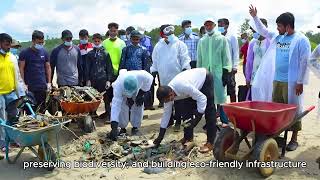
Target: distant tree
(244, 27)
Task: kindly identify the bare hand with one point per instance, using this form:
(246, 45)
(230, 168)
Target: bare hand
(253, 11)
(299, 89)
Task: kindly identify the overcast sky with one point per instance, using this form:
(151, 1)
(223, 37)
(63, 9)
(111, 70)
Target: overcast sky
(20, 17)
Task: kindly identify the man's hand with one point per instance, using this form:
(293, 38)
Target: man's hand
(130, 102)
(299, 89)
(253, 11)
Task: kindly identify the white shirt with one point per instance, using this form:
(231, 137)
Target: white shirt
(259, 49)
(145, 80)
(186, 84)
(234, 50)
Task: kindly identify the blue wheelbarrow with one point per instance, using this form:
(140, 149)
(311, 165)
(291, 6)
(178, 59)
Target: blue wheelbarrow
(31, 138)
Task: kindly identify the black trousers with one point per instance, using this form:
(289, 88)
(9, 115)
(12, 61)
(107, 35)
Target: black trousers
(184, 109)
(149, 96)
(40, 97)
(100, 85)
(193, 64)
(210, 113)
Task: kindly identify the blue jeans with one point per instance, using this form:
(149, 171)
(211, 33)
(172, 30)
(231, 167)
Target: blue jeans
(8, 110)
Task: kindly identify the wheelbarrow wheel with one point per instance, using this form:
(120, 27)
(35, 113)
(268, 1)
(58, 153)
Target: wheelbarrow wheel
(88, 124)
(51, 155)
(266, 150)
(224, 140)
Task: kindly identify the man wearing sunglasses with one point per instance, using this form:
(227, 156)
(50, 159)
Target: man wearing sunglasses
(66, 59)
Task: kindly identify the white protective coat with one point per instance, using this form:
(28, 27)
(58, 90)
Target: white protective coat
(299, 54)
(119, 107)
(169, 59)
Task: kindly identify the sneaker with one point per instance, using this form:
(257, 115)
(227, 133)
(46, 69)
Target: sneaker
(207, 147)
(292, 146)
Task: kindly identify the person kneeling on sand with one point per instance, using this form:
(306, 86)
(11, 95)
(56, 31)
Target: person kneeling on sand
(198, 84)
(128, 97)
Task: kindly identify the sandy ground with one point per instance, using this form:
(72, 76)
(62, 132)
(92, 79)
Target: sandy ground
(308, 151)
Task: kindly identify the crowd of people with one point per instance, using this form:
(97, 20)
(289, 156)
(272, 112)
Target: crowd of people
(196, 72)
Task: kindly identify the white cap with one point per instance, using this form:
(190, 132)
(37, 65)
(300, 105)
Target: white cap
(209, 20)
(141, 30)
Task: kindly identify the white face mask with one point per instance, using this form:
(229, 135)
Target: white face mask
(243, 40)
(210, 32)
(97, 46)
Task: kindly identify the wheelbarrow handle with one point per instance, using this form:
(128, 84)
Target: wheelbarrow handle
(311, 108)
(299, 116)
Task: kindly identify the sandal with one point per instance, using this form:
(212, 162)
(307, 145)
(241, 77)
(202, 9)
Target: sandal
(292, 146)
(206, 148)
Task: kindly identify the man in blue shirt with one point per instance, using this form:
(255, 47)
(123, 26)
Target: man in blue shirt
(35, 69)
(134, 56)
(288, 57)
(191, 40)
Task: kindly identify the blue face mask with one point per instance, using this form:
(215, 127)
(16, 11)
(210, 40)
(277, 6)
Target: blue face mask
(188, 31)
(171, 38)
(256, 35)
(123, 37)
(14, 51)
(68, 43)
(221, 29)
(38, 46)
(83, 41)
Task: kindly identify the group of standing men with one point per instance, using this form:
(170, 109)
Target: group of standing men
(196, 71)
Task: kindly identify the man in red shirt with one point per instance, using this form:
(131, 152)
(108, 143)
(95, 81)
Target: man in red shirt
(244, 49)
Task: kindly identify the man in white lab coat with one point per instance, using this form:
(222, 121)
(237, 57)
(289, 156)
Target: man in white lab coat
(196, 83)
(170, 57)
(129, 90)
(283, 70)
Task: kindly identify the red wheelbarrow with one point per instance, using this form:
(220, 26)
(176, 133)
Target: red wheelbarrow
(266, 121)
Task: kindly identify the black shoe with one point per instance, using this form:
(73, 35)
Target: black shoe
(134, 131)
(123, 131)
(104, 115)
(292, 146)
(160, 105)
(151, 108)
(114, 131)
